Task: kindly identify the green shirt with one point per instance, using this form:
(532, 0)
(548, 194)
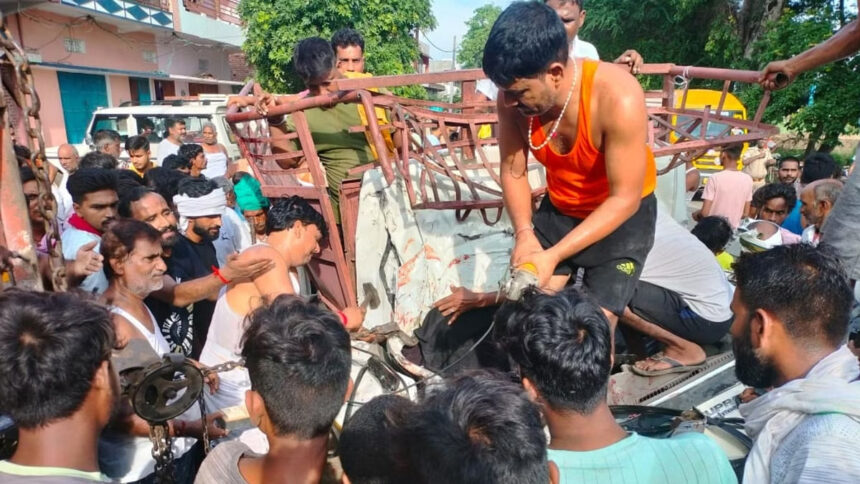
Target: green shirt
(15, 473)
(338, 149)
(685, 459)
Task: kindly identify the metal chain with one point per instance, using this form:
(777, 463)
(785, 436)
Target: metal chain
(206, 445)
(162, 452)
(27, 98)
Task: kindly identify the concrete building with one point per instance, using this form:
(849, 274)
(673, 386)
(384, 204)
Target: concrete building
(87, 54)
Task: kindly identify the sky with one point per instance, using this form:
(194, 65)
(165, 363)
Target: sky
(451, 17)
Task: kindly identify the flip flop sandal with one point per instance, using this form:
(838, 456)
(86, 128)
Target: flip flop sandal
(675, 366)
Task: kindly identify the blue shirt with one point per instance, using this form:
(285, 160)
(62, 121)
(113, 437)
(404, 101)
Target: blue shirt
(73, 239)
(792, 222)
(684, 459)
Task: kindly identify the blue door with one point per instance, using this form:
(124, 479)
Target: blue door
(143, 95)
(80, 95)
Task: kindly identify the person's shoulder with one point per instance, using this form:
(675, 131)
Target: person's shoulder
(695, 451)
(221, 466)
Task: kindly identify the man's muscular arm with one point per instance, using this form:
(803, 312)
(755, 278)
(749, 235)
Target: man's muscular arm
(621, 121)
(516, 191)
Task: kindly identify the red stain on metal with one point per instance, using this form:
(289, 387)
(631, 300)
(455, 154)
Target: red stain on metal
(404, 274)
(459, 260)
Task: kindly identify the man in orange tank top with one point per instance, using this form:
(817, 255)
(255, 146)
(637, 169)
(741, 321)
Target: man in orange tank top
(585, 121)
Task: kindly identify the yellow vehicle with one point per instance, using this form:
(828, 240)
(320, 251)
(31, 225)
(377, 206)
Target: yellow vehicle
(697, 99)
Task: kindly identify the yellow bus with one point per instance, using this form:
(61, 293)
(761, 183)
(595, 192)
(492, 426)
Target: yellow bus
(697, 99)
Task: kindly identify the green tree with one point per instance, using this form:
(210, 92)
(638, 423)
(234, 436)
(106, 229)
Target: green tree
(819, 103)
(274, 27)
(471, 51)
(741, 34)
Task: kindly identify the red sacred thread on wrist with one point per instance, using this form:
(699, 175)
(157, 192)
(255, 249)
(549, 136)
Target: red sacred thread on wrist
(342, 317)
(218, 274)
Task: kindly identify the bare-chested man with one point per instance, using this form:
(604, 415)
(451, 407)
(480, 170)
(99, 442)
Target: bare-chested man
(294, 231)
(586, 122)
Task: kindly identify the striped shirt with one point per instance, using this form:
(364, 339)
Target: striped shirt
(688, 458)
(823, 449)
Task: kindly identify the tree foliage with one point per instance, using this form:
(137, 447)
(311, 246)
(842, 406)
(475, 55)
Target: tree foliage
(274, 27)
(741, 34)
(471, 51)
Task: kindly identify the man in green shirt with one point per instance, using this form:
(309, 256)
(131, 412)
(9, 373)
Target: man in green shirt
(57, 384)
(561, 344)
(339, 150)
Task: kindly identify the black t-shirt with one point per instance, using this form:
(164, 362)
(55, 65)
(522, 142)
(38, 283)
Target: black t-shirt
(186, 328)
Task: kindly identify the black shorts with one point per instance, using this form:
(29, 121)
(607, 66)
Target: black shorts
(612, 265)
(668, 310)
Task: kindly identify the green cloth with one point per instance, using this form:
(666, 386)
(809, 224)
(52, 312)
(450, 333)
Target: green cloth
(683, 459)
(338, 149)
(249, 196)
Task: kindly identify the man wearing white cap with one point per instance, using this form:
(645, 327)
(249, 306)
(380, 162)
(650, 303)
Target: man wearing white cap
(200, 204)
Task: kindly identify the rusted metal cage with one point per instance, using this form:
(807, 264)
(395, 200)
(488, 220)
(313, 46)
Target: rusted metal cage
(467, 165)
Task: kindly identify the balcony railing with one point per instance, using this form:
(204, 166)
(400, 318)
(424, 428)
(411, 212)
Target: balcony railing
(226, 10)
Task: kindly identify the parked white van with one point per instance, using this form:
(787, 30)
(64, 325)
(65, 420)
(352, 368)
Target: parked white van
(148, 120)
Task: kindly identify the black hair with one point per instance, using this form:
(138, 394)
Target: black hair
(239, 175)
(733, 151)
(165, 181)
(561, 343)
(477, 428)
(131, 196)
(175, 162)
(104, 136)
(713, 231)
(127, 180)
(313, 59)
(51, 345)
(119, 240)
(369, 447)
(284, 212)
(345, 38)
(135, 143)
(787, 159)
(27, 174)
(196, 187)
(89, 180)
(298, 357)
(97, 159)
(189, 151)
(524, 41)
(775, 190)
(818, 166)
(22, 154)
(804, 286)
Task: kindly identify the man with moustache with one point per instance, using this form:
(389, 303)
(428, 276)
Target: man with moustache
(173, 304)
(585, 121)
(791, 311)
(133, 264)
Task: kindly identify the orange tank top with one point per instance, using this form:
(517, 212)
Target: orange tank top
(576, 181)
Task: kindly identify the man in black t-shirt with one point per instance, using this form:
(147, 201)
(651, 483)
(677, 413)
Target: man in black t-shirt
(200, 203)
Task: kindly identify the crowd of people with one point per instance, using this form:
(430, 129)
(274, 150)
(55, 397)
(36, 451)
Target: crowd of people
(185, 255)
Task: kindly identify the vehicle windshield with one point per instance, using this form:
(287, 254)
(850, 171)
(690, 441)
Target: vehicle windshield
(151, 126)
(715, 128)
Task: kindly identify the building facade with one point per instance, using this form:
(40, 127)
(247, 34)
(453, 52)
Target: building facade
(88, 54)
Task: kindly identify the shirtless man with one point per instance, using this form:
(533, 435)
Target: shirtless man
(294, 230)
(600, 210)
